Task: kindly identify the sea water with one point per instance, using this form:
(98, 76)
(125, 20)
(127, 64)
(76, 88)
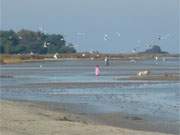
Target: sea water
(158, 99)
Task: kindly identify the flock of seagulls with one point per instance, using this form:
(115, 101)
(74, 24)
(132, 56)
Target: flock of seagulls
(107, 37)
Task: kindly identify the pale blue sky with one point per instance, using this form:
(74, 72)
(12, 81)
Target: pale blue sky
(137, 21)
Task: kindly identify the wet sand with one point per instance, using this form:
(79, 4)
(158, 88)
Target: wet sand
(28, 118)
(85, 85)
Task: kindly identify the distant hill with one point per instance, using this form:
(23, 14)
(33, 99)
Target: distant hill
(26, 41)
(155, 49)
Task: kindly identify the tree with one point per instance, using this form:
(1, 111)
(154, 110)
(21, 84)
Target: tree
(154, 49)
(26, 41)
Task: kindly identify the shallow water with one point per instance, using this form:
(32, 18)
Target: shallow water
(159, 100)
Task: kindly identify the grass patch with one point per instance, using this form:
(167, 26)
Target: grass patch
(10, 59)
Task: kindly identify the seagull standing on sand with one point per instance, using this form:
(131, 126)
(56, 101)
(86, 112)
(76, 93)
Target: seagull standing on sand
(45, 45)
(83, 55)
(156, 59)
(55, 56)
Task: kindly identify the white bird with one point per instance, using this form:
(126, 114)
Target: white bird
(118, 34)
(45, 45)
(83, 54)
(55, 56)
(143, 73)
(134, 50)
(106, 37)
(156, 58)
(31, 53)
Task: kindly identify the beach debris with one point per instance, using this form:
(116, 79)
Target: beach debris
(97, 70)
(143, 73)
(132, 61)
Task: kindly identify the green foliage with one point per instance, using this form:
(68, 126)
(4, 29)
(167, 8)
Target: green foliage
(26, 41)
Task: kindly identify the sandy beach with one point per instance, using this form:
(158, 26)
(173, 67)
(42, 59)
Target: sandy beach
(25, 118)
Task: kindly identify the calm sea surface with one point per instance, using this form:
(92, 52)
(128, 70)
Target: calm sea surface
(157, 99)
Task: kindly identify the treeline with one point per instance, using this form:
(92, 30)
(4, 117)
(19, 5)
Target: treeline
(26, 41)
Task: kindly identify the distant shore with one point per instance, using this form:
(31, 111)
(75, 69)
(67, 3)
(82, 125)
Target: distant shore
(15, 59)
(22, 118)
(161, 77)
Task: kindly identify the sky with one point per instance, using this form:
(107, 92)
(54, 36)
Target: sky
(111, 26)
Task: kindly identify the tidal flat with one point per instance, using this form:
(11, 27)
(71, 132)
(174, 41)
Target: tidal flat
(73, 95)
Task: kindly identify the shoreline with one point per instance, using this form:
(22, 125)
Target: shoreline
(84, 85)
(153, 77)
(44, 112)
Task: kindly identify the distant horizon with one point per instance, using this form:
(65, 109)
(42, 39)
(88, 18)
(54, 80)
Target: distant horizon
(105, 26)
